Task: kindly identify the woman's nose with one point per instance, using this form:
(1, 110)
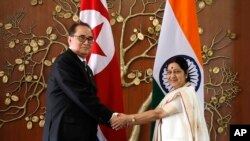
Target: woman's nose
(171, 76)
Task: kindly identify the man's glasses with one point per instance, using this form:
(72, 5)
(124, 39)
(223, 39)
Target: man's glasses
(83, 38)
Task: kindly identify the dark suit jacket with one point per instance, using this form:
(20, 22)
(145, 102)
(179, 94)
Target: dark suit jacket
(72, 106)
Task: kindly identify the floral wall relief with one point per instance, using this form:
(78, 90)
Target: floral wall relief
(23, 77)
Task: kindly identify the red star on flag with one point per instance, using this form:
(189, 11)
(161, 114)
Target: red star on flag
(96, 48)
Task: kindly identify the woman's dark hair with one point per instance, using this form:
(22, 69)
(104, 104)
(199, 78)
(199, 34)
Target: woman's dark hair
(181, 62)
(72, 29)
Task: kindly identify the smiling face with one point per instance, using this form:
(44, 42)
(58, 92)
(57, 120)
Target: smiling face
(176, 75)
(75, 42)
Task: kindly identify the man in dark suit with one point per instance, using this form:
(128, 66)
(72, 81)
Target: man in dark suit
(73, 109)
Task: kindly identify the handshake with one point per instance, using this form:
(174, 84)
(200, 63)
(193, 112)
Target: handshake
(122, 121)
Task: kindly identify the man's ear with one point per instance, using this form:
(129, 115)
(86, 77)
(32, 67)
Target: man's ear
(69, 39)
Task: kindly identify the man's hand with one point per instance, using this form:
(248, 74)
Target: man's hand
(121, 121)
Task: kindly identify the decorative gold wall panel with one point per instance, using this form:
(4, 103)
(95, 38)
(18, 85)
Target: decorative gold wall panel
(29, 53)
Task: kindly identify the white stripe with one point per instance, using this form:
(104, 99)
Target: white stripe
(100, 135)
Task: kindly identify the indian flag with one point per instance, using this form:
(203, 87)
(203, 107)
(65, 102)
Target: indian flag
(179, 37)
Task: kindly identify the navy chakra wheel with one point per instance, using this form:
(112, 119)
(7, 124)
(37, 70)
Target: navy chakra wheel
(193, 72)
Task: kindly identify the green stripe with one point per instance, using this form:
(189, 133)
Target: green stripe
(156, 99)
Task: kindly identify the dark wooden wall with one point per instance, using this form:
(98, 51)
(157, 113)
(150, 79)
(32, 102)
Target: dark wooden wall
(241, 63)
(223, 14)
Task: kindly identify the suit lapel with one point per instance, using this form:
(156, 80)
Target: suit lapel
(88, 73)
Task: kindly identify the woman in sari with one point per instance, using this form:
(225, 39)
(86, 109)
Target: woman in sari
(178, 116)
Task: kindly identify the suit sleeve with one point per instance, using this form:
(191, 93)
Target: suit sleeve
(76, 87)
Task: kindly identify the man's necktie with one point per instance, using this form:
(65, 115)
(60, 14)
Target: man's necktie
(84, 65)
(87, 68)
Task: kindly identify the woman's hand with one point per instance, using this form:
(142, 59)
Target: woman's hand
(121, 121)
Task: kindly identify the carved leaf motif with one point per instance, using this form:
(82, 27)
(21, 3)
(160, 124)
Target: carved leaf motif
(49, 30)
(8, 26)
(7, 94)
(35, 48)
(27, 118)
(26, 62)
(61, 14)
(5, 79)
(75, 18)
(67, 15)
(216, 70)
(133, 37)
(33, 2)
(155, 22)
(35, 119)
(119, 19)
(12, 44)
(1, 73)
(7, 101)
(21, 67)
(47, 63)
(41, 116)
(233, 36)
(41, 42)
(28, 78)
(140, 36)
(201, 4)
(220, 130)
(17, 41)
(29, 125)
(41, 123)
(149, 72)
(58, 8)
(209, 2)
(200, 30)
(210, 53)
(137, 81)
(222, 99)
(151, 30)
(53, 37)
(27, 49)
(14, 98)
(33, 43)
(18, 61)
(112, 21)
(131, 75)
(205, 48)
(35, 77)
(158, 27)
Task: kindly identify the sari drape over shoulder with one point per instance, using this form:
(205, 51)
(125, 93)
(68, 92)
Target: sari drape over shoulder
(186, 121)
